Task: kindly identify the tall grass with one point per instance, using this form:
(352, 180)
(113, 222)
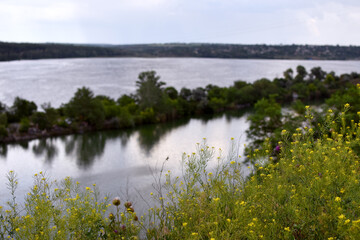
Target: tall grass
(307, 190)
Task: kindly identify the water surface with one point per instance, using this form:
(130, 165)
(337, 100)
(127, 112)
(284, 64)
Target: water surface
(56, 80)
(113, 159)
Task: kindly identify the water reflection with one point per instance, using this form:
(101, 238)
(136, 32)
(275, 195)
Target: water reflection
(47, 148)
(150, 135)
(86, 148)
(3, 150)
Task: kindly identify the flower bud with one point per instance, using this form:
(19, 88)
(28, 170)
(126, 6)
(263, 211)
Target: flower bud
(128, 204)
(116, 201)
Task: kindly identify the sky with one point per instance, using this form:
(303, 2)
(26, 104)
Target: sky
(181, 21)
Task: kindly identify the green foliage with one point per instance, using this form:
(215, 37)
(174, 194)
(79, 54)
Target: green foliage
(24, 125)
(3, 119)
(40, 119)
(217, 104)
(20, 109)
(84, 107)
(125, 118)
(52, 114)
(171, 92)
(149, 90)
(125, 100)
(349, 96)
(299, 107)
(65, 211)
(310, 192)
(265, 119)
(3, 131)
(148, 116)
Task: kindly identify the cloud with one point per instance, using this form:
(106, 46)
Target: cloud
(144, 21)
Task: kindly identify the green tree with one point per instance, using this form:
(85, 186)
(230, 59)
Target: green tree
(149, 90)
(84, 107)
(21, 109)
(265, 120)
(301, 73)
(171, 92)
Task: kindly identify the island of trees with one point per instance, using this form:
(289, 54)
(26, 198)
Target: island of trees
(154, 102)
(19, 51)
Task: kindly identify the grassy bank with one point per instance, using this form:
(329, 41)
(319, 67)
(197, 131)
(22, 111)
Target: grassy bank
(308, 190)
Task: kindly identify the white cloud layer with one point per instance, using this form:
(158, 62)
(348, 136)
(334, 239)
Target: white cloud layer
(150, 21)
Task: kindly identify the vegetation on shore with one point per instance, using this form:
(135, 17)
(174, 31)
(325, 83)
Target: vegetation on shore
(304, 173)
(19, 51)
(309, 189)
(153, 102)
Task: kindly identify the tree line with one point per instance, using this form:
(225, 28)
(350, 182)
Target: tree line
(154, 102)
(19, 51)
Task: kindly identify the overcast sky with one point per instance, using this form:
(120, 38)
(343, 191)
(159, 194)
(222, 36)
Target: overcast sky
(164, 21)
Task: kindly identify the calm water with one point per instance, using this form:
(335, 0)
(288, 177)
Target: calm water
(117, 159)
(57, 80)
(113, 159)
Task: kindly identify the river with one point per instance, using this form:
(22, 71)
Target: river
(120, 160)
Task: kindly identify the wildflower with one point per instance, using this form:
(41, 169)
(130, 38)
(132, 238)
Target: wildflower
(116, 201)
(128, 204)
(232, 162)
(184, 224)
(337, 199)
(287, 229)
(342, 216)
(194, 234)
(277, 148)
(347, 105)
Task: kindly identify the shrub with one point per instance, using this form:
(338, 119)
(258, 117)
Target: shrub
(65, 211)
(24, 125)
(3, 131)
(310, 192)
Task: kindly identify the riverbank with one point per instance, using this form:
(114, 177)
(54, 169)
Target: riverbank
(313, 181)
(155, 103)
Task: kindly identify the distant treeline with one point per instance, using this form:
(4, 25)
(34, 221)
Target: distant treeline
(153, 102)
(18, 51)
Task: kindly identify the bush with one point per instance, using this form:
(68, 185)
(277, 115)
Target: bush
(24, 125)
(84, 107)
(65, 211)
(3, 131)
(310, 192)
(3, 119)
